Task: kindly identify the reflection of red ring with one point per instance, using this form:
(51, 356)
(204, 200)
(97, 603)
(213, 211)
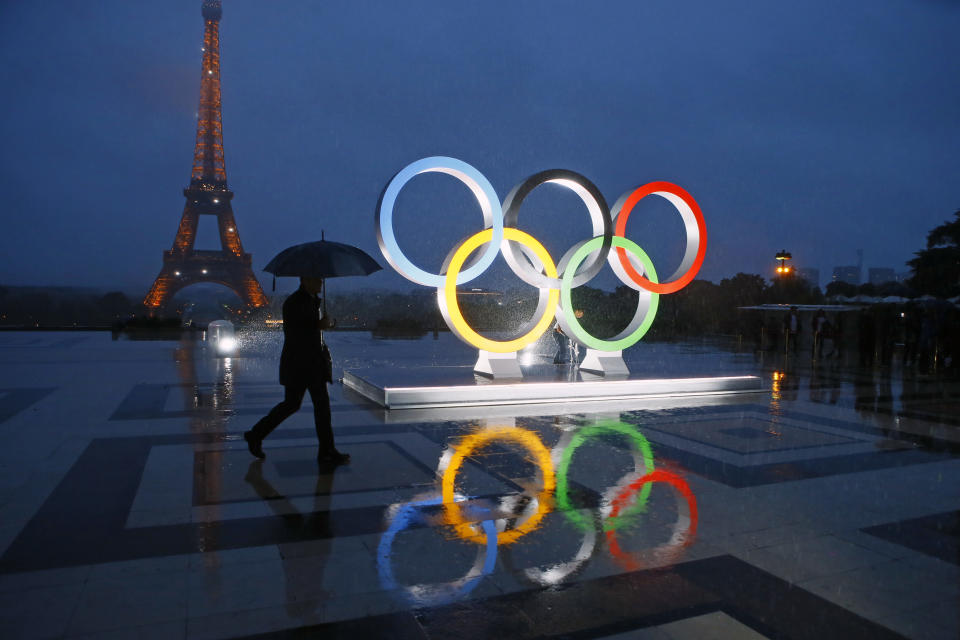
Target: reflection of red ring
(621, 230)
(621, 501)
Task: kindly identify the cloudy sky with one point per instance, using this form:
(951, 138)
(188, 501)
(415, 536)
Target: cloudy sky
(821, 127)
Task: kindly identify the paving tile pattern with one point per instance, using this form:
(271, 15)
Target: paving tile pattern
(130, 507)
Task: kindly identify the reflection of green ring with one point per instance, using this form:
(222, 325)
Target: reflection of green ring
(584, 434)
(567, 304)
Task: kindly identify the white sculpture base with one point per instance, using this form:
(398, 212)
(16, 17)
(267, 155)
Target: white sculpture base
(498, 365)
(442, 392)
(605, 363)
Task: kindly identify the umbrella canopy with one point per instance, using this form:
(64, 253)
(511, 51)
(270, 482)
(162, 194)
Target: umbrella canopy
(322, 259)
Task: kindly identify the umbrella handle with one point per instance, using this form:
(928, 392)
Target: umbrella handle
(323, 302)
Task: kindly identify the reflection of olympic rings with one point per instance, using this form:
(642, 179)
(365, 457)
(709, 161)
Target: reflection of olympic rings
(642, 456)
(409, 514)
(488, 526)
(556, 572)
(684, 530)
(541, 455)
(530, 261)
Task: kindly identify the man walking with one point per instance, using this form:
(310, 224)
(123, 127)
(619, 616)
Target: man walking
(304, 366)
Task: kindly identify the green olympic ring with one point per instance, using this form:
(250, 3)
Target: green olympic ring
(637, 327)
(608, 426)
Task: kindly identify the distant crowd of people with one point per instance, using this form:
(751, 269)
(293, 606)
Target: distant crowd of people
(924, 333)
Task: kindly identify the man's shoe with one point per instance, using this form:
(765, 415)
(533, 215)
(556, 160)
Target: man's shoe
(333, 458)
(253, 444)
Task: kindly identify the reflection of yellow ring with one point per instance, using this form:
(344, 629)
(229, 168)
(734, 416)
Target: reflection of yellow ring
(541, 456)
(459, 324)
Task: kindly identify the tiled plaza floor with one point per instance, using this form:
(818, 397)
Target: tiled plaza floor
(826, 507)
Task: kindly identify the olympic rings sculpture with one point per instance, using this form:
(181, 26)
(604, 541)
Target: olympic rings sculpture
(531, 262)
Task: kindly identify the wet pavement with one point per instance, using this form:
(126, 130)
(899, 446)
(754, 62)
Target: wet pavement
(826, 507)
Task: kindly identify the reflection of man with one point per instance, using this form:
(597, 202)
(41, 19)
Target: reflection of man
(821, 329)
(304, 580)
(303, 367)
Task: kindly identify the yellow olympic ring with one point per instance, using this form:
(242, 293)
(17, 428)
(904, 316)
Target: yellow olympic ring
(525, 438)
(448, 300)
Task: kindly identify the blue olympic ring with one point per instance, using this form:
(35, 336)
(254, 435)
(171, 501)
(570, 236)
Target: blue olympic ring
(482, 190)
(408, 515)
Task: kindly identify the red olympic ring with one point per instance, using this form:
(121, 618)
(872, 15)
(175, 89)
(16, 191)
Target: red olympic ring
(629, 560)
(621, 228)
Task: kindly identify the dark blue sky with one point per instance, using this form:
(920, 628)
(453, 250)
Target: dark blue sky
(817, 126)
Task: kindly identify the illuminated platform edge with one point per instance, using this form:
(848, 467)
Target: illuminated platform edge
(404, 396)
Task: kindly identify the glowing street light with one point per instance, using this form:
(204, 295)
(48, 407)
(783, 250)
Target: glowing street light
(783, 267)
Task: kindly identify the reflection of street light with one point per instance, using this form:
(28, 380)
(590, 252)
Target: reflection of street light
(783, 267)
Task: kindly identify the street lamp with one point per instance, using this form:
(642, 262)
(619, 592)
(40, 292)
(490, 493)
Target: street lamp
(783, 267)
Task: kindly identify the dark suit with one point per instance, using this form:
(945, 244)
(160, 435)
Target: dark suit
(302, 368)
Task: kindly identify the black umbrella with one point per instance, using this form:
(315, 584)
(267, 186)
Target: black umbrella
(322, 259)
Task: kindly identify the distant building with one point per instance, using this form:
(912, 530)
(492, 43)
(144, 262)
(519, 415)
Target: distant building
(881, 275)
(849, 274)
(477, 291)
(903, 277)
(810, 274)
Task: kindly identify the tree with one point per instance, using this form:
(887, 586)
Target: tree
(793, 290)
(936, 269)
(894, 289)
(743, 290)
(114, 305)
(841, 288)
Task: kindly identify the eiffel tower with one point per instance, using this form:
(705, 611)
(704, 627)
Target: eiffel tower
(207, 195)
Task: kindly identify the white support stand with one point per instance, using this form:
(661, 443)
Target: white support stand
(597, 418)
(606, 363)
(498, 365)
(487, 423)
